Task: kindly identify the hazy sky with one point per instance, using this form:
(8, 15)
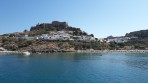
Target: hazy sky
(99, 17)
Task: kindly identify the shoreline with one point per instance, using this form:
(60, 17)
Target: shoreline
(10, 52)
(87, 51)
(112, 51)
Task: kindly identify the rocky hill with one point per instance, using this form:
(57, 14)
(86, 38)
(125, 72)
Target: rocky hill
(46, 28)
(20, 41)
(139, 34)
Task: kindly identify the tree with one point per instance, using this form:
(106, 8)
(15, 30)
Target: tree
(92, 35)
(96, 39)
(113, 45)
(84, 33)
(25, 30)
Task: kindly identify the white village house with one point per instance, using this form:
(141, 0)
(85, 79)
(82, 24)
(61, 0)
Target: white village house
(118, 39)
(59, 35)
(86, 38)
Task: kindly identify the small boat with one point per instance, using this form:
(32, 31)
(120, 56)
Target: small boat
(39, 53)
(26, 53)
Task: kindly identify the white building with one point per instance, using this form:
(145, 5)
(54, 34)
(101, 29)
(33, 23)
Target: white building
(62, 35)
(86, 38)
(118, 39)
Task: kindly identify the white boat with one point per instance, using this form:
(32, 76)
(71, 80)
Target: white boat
(26, 53)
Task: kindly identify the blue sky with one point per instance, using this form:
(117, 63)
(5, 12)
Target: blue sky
(99, 17)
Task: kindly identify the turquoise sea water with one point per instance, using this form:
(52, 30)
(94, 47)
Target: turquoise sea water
(74, 68)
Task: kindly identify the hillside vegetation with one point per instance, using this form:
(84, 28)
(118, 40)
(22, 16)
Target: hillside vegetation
(139, 34)
(139, 40)
(14, 41)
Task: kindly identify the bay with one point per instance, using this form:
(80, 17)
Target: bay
(74, 68)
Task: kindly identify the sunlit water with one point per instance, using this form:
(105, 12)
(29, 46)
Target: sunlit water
(74, 68)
